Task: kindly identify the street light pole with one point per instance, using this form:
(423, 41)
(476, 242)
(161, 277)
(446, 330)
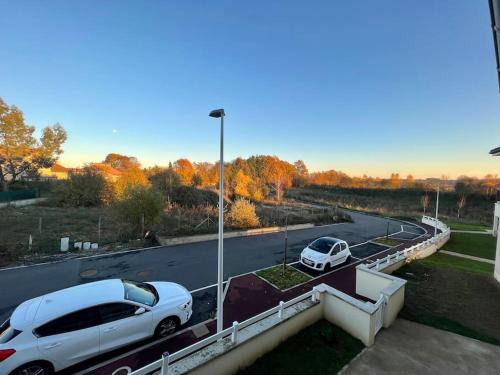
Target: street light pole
(437, 209)
(219, 113)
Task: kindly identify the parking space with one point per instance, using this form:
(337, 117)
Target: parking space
(405, 236)
(204, 305)
(367, 249)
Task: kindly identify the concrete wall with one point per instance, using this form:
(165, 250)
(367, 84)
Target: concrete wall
(373, 284)
(23, 202)
(246, 353)
(369, 284)
(350, 316)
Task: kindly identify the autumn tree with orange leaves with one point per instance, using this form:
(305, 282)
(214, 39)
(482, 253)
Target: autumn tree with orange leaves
(185, 171)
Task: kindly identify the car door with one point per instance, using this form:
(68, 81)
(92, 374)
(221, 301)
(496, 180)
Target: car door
(121, 325)
(71, 338)
(335, 255)
(343, 251)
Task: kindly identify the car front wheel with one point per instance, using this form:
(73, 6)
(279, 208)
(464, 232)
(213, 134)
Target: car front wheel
(33, 369)
(167, 326)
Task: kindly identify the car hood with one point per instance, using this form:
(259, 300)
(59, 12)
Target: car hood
(313, 255)
(171, 292)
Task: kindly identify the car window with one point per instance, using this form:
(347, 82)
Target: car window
(81, 319)
(336, 249)
(322, 245)
(7, 333)
(140, 292)
(116, 311)
(343, 246)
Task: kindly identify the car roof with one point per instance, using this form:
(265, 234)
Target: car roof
(53, 305)
(333, 239)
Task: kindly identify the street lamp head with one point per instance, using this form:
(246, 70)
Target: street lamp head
(217, 113)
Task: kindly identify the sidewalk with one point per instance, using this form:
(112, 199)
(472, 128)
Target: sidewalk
(411, 348)
(486, 231)
(471, 257)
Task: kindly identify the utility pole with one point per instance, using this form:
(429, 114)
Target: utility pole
(437, 209)
(219, 113)
(286, 244)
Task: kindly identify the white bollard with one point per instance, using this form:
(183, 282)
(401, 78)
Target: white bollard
(280, 311)
(64, 244)
(164, 364)
(234, 334)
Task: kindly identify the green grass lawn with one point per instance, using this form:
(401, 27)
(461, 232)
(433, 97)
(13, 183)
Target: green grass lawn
(319, 349)
(386, 241)
(450, 261)
(291, 277)
(455, 225)
(479, 245)
(448, 298)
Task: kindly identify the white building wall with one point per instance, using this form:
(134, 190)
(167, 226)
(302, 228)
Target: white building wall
(496, 226)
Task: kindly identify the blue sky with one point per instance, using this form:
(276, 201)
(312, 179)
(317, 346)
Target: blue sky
(365, 87)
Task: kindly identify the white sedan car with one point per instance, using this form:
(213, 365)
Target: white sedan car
(324, 253)
(57, 330)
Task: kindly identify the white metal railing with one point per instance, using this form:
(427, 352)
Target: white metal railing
(403, 254)
(163, 363)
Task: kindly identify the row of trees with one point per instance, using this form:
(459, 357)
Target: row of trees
(258, 177)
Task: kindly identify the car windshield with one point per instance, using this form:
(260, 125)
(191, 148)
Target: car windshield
(322, 245)
(140, 292)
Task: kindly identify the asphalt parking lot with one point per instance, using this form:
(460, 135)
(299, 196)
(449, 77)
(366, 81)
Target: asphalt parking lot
(192, 265)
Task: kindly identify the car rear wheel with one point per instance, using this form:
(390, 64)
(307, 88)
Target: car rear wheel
(37, 368)
(167, 326)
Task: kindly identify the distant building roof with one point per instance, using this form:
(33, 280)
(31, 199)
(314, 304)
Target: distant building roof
(58, 168)
(106, 168)
(495, 25)
(495, 151)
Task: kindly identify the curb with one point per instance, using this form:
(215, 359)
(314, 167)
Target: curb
(165, 241)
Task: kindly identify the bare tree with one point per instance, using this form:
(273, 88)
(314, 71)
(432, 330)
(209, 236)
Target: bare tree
(461, 204)
(425, 202)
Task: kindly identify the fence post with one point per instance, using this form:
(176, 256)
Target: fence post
(40, 225)
(280, 311)
(99, 229)
(164, 364)
(234, 335)
(315, 294)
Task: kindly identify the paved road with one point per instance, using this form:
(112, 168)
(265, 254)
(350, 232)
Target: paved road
(192, 265)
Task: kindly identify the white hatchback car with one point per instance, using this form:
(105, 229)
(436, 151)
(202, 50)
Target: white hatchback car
(324, 253)
(57, 330)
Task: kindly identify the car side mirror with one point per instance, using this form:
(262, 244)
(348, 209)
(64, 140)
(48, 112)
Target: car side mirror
(140, 310)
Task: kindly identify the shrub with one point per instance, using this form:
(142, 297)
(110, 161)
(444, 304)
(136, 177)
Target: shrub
(135, 202)
(86, 189)
(190, 196)
(242, 214)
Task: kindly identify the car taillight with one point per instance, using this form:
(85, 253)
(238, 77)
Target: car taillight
(6, 353)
